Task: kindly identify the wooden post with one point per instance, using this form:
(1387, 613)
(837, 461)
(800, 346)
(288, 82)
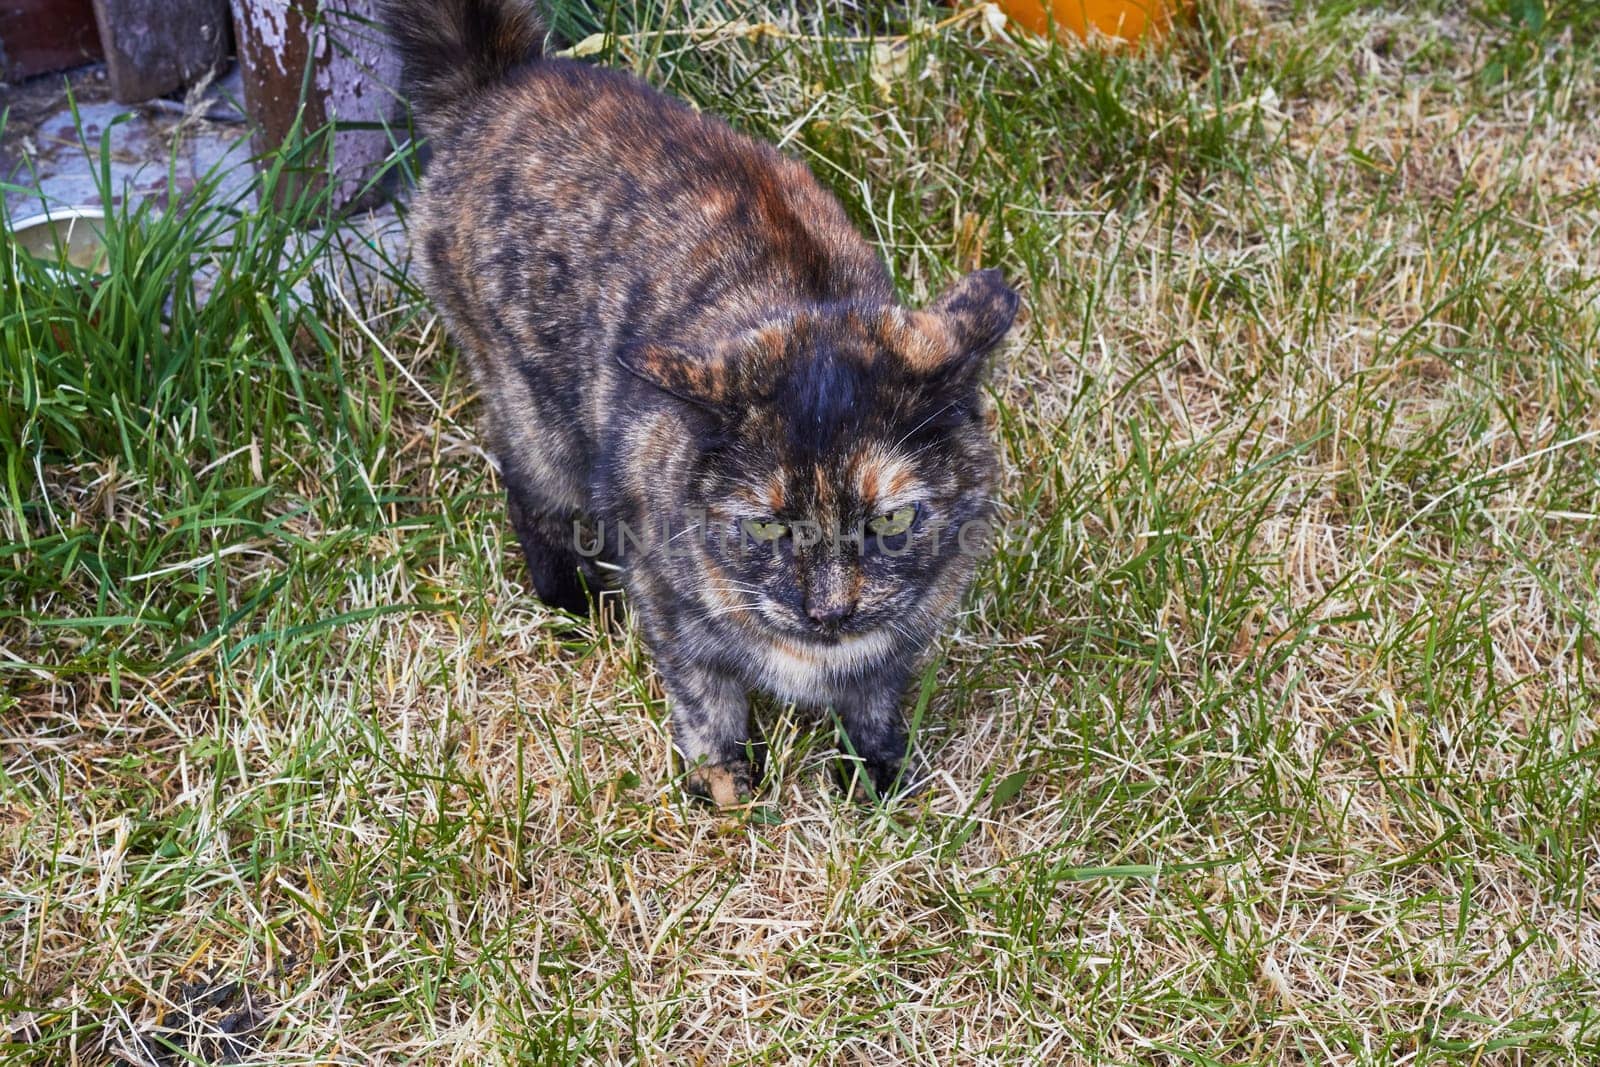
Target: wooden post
(352, 73)
(156, 46)
(38, 36)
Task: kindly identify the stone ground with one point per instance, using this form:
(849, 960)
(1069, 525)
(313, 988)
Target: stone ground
(45, 164)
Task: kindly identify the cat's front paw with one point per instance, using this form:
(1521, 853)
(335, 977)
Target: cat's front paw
(727, 785)
(867, 780)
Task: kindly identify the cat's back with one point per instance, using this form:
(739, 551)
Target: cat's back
(624, 212)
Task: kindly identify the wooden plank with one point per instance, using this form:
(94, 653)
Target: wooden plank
(39, 36)
(155, 46)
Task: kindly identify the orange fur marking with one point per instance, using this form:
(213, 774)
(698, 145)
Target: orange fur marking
(882, 476)
(719, 782)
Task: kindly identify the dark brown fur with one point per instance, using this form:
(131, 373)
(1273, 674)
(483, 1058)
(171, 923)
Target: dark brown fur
(668, 319)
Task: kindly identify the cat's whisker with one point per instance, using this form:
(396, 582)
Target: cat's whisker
(912, 432)
(729, 583)
(686, 530)
(718, 613)
(727, 591)
(918, 452)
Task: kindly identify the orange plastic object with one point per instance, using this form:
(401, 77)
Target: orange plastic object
(1128, 20)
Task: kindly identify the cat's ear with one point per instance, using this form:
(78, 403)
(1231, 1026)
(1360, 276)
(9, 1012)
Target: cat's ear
(952, 335)
(699, 378)
(711, 379)
(732, 372)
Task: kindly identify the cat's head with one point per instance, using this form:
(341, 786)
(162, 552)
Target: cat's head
(845, 471)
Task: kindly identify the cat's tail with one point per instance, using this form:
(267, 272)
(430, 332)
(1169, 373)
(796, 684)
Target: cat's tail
(452, 50)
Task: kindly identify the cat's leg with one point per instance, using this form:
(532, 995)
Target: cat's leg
(711, 731)
(875, 734)
(549, 546)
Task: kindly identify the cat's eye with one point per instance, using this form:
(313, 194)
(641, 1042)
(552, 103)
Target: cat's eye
(893, 524)
(764, 531)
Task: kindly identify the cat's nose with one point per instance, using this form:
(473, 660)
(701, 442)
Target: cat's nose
(830, 615)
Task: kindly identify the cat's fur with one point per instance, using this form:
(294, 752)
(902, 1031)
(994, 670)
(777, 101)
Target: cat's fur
(676, 329)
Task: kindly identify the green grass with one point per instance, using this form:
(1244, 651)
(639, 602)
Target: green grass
(1274, 740)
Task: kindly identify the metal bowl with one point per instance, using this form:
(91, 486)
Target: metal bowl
(74, 235)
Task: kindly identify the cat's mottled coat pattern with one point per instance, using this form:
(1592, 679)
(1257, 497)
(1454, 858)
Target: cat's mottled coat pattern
(675, 328)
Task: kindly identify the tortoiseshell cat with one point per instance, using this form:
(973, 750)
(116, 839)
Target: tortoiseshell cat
(692, 360)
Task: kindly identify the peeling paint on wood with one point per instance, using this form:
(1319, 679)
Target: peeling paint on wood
(352, 74)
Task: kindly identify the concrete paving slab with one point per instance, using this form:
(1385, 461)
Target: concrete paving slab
(49, 158)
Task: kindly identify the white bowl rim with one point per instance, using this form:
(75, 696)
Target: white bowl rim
(66, 214)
